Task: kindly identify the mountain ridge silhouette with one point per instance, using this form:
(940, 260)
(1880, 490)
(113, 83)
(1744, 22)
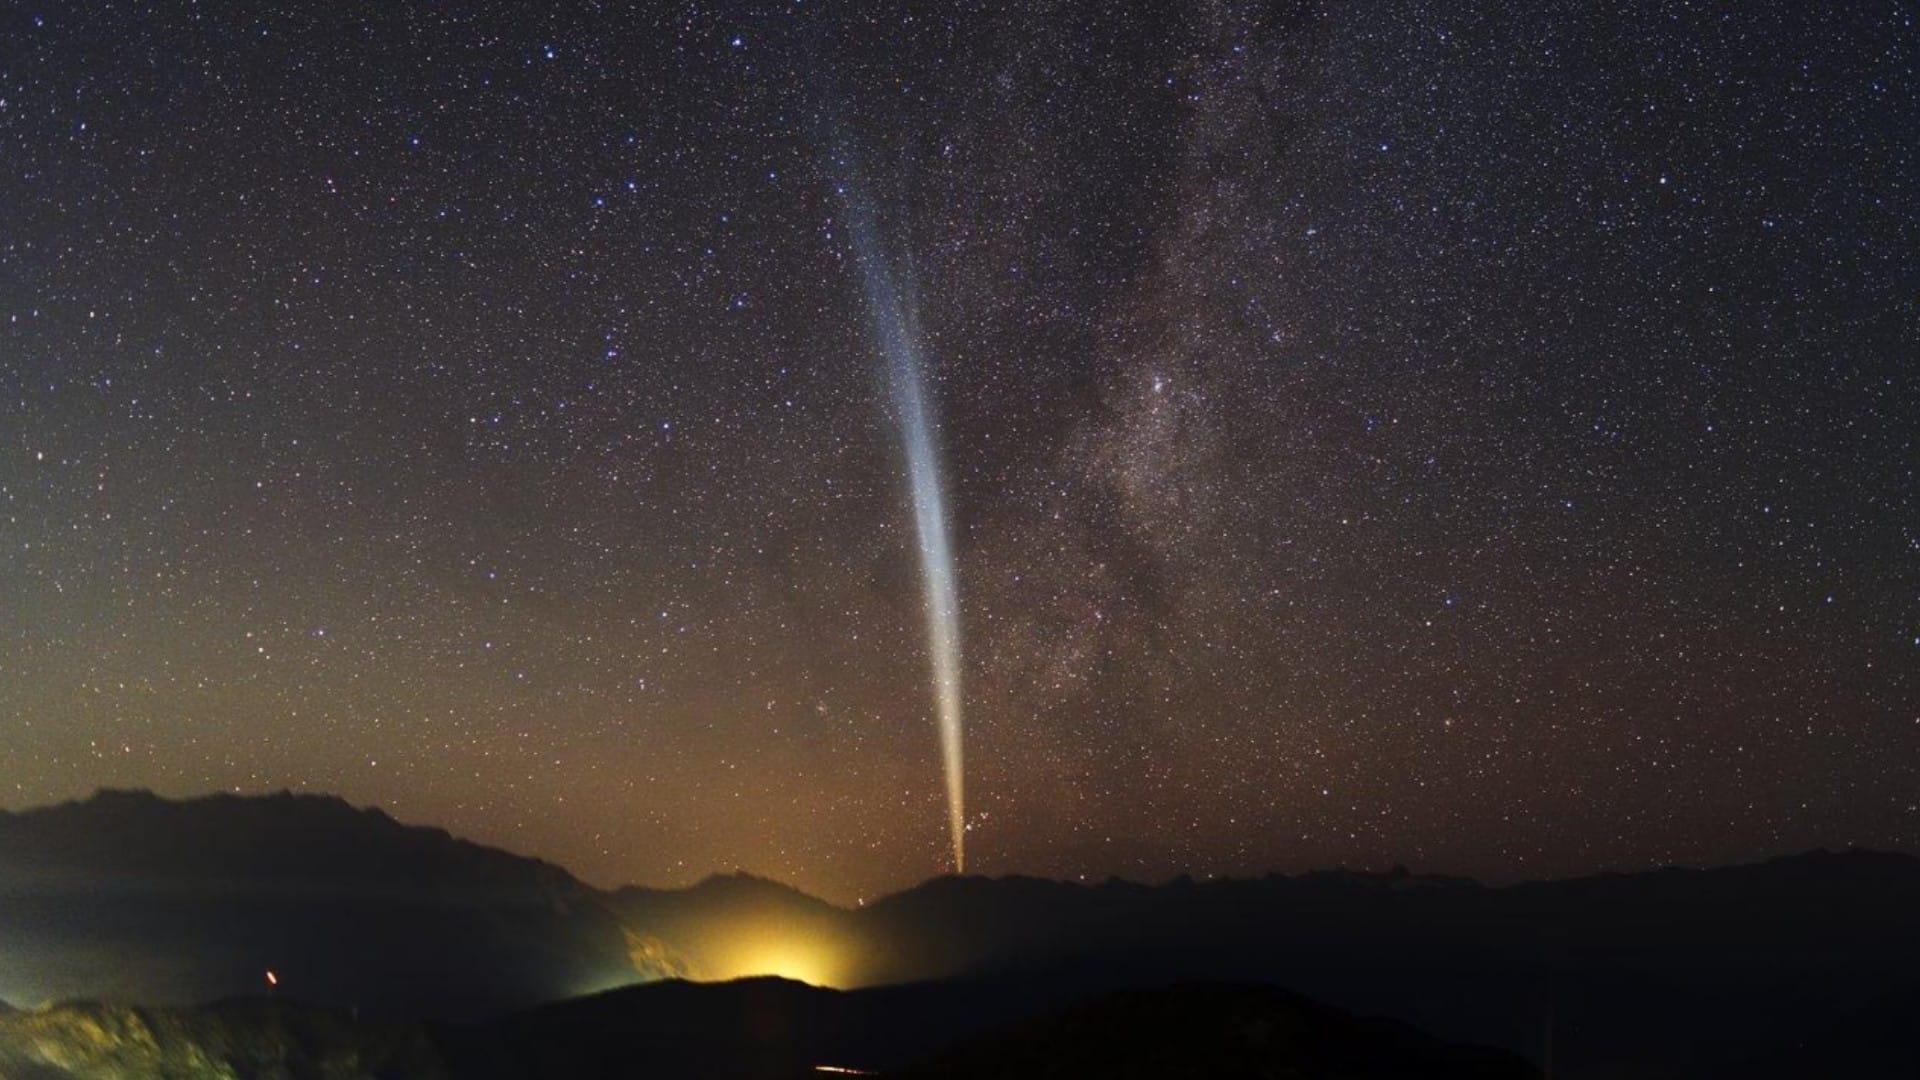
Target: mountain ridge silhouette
(135, 897)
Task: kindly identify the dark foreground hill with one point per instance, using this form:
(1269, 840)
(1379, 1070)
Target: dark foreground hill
(132, 897)
(1672, 972)
(758, 1028)
(88, 1041)
(1211, 1030)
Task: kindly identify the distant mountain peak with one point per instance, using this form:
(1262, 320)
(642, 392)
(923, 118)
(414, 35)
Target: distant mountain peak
(138, 800)
(348, 904)
(742, 879)
(134, 836)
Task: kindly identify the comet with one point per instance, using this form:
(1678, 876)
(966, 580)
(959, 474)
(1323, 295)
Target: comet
(891, 314)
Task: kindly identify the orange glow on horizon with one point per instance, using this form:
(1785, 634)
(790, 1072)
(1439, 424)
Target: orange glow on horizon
(798, 961)
(782, 950)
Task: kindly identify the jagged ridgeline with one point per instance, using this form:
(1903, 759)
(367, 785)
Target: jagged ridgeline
(126, 896)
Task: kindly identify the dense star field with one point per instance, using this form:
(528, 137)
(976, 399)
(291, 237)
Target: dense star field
(1467, 436)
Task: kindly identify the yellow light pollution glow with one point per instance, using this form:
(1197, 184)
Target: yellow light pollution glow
(790, 960)
(783, 951)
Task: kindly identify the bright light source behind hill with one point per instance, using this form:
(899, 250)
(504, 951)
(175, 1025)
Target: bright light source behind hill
(789, 957)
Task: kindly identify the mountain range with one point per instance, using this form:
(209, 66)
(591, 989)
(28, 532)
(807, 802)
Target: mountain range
(139, 900)
(128, 896)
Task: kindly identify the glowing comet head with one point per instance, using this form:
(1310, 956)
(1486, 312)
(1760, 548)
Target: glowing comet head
(892, 319)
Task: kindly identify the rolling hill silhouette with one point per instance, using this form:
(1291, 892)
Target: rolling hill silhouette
(1732, 971)
(1687, 969)
(751, 1028)
(132, 897)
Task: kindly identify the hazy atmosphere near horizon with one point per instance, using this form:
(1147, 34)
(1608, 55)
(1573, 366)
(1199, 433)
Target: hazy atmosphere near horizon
(662, 438)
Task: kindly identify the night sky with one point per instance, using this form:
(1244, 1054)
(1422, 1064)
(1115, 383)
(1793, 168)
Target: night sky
(1456, 435)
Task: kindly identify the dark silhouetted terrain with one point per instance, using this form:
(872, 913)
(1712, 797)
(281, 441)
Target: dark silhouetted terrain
(1794, 963)
(1623, 974)
(755, 1028)
(228, 1039)
(132, 897)
(1212, 1030)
